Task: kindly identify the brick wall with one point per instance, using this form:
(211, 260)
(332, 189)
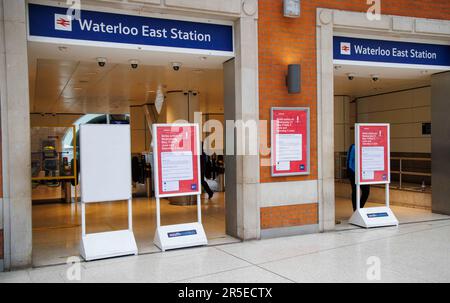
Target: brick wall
(287, 216)
(284, 41)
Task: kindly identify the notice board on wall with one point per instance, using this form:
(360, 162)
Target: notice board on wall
(290, 141)
(105, 162)
(177, 159)
(372, 153)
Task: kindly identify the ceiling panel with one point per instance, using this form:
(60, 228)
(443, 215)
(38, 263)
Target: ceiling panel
(72, 82)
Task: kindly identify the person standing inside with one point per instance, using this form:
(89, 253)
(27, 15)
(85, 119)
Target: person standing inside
(202, 174)
(365, 189)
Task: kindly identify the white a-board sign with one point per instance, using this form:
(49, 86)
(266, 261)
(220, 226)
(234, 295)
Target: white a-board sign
(176, 158)
(372, 166)
(105, 170)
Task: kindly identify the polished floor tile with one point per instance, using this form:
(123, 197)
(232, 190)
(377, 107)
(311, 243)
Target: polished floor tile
(57, 227)
(417, 252)
(252, 274)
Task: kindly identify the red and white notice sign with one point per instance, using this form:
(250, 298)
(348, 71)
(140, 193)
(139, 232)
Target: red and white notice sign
(290, 141)
(372, 153)
(177, 151)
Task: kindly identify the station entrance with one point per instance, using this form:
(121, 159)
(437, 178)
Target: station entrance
(373, 92)
(74, 84)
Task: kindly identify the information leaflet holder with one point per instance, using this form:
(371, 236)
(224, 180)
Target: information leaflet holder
(176, 158)
(106, 177)
(372, 165)
(290, 141)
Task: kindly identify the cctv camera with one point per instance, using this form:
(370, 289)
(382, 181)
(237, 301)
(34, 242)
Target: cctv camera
(351, 76)
(176, 66)
(101, 62)
(134, 64)
(375, 78)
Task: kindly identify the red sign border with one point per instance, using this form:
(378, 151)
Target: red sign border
(156, 163)
(308, 144)
(357, 153)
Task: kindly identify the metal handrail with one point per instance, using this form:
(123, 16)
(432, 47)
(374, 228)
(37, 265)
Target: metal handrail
(399, 172)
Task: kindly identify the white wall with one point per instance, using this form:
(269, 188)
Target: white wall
(405, 111)
(344, 120)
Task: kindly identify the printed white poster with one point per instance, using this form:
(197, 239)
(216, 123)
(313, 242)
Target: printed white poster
(176, 166)
(288, 147)
(372, 158)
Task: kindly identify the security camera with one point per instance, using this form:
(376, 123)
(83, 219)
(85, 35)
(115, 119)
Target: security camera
(375, 78)
(176, 66)
(351, 76)
(134, 63)
(101, 62)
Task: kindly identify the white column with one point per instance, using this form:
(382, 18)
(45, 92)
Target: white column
(325, 119)
(15, 127)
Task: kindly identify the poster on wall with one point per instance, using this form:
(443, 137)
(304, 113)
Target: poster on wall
(373, 153)
(290, 135)
(177, 165)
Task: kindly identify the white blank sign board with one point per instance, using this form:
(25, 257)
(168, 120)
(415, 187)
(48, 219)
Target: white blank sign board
(105, 165)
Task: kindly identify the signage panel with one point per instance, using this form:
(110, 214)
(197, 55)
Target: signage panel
(290, 141)
(370, 50)
(49, 22)
(373, 158)
(177, 163)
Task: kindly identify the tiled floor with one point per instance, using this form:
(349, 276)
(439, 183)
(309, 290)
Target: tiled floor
(417, 252)
(57, 229)
(404, 215)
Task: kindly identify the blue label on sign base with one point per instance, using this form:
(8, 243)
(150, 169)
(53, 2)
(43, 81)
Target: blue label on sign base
(182, 233)
(54, 22)
(356, 49)
(194, 186)
(377, 215)
(302, 167)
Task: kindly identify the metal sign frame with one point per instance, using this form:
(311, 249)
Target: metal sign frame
(308, 144)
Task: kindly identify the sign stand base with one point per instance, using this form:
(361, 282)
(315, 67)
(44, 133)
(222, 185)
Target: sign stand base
(108, 245)
(374, 217)
(180, 236)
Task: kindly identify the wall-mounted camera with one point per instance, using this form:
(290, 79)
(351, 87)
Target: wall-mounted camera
(350, 76)
(102, 61)
(134, 63)
(176, 66)
(375, 78)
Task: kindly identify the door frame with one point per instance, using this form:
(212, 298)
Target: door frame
(328, 22)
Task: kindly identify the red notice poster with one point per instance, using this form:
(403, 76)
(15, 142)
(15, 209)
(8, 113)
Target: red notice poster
(176, 150)
(290, 141)
(373, 153)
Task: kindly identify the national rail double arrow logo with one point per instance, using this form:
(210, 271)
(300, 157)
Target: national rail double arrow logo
(346, 48)
(63, 22)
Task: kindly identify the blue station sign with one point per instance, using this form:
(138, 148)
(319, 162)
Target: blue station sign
(50, 22)
(369, 50)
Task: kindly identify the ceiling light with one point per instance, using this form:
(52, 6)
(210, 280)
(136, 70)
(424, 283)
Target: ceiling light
(203, 58)
(62, 48)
